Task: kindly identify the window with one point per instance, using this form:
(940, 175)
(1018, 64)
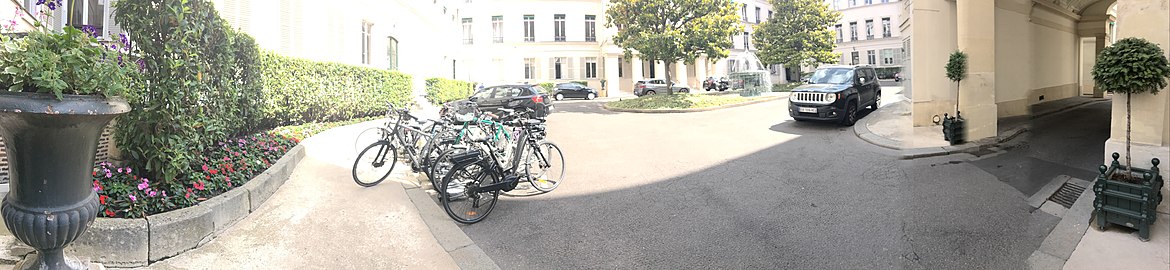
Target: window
(498, 29)
(561, 68)
(769, 15)
(886, 27)
(529, 28)
(872, 57)
(366, 29)
(746, 36)
(559, 27)
(619, 67)
(757, 14)
(90, 12)
(731, 65)
(852, 3)
(891, 57)
(868, 2)
(868, 29)
(840, 34)
(392, 53)
(467, 35)
(885, 1)
(856, 59)
(743, 12)
(591, 68)
(852, 31)
(529, 68)
(590, 28)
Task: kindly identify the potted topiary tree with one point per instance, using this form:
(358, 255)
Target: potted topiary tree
(61, 87)
(1128, 196)
(954, 127)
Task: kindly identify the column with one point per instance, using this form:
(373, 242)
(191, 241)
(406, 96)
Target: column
(932, 39)
(680, 74)
(1150, 135)
(1097, 92)
(976, 37)
(701, 69)
(659, 70)
(612, 82)
(636, 69)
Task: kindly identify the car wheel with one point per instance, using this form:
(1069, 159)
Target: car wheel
(590, 96)
(850, 117)
(877, 100)
(560, 96)
(649, 92)
(684, 90)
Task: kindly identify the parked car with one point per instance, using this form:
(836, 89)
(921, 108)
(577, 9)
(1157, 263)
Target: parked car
(898, 77)
(712, 83)
(513, 96)
(654, 86)
(573, 90)
(835, 93)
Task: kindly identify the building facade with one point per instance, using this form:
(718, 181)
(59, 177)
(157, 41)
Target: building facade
(867, 34)
(535, 41)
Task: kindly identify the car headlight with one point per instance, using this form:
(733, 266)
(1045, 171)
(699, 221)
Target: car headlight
(830, 98)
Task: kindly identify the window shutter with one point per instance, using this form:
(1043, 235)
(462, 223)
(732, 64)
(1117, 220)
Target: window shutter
(571, 68)
(112, 29)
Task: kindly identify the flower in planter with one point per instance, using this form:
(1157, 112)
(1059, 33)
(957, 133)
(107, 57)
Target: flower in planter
(97, 186)
(109, 213)
(199, 185)
(103, 198)
(133, 198)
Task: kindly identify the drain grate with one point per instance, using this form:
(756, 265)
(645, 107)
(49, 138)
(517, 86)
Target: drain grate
(1067, 194)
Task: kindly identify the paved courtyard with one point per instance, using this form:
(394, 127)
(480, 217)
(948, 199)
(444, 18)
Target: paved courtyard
(748, 187)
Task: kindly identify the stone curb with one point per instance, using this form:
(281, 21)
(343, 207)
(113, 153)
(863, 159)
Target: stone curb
(1060, 243)
(861, 128)
(766, 99)
(465, 252)
(119, 242)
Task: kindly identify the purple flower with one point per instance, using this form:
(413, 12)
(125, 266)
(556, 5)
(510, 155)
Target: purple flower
(132, 198)
(152, 193)
(108, 174)
(91, 30)
(141, 65)
(125, 40)
(144, 185)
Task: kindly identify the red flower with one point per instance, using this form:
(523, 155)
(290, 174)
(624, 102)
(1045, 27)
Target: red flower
(199, 185)
(214, 171)
(109, 213)
(95, 174)
(102, 199)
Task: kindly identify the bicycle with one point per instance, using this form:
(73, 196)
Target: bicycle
(408, 136)
(479, 180)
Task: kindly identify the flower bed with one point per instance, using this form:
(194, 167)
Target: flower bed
(227, 165)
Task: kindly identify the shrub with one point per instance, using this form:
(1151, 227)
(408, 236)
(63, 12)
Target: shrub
(440, 90)
(301, 91)
(585, 83)
(1131, 66)
(194, 92)
(785, 87)
(548, 87)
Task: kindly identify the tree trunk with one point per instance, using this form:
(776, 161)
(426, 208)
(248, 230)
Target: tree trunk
(958, 84)
(1128, 116)
(669, 80)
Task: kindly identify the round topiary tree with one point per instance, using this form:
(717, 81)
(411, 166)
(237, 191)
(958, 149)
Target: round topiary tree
(957, 71)
(1131, 66)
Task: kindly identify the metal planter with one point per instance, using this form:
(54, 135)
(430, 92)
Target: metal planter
(1132, 205)
(954, 129)
(50, 146)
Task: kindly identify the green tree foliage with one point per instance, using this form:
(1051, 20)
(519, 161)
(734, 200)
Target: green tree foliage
(673, 30)
(1131, 66)
(798, 34)
(957, 71)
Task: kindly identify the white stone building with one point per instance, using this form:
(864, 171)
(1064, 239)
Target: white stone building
(868, 34)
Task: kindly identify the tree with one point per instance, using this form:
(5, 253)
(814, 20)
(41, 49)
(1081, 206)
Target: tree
(957, 71)
(1131, 66)
(798, 35)
(673, 30)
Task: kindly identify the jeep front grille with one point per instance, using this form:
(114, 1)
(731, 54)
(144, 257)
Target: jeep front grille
(808, 97)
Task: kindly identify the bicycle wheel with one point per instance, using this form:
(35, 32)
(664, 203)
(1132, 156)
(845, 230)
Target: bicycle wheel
(367, 137)
(460, 196)
(374, 164)
(440, 167)
(546, 170)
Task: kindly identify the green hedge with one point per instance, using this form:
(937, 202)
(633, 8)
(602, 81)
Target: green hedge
(440, 90)
(299, 90)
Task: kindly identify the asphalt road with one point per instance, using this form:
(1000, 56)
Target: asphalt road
(749, 187)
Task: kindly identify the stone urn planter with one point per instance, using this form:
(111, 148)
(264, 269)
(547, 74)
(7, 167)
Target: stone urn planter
(1131, 204)
(50, 146)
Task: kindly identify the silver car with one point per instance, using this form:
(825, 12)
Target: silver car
(654, 86)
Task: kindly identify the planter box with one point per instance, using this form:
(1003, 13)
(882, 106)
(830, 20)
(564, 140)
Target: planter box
(1132, 205)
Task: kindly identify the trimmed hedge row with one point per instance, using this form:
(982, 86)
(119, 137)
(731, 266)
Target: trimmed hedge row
(299, 90)
(440, 90)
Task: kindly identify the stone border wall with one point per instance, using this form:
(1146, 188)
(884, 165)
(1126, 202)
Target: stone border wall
(119, 242)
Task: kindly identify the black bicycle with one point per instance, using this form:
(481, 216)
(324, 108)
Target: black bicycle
(377, 161)
(478, 175)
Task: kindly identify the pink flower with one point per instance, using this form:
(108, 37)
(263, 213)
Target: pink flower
(205, 167)
(144, 185)
(132, 198)
(108, 174)
(119, 170)
(199, 185)
(151, 193)
(129, 170)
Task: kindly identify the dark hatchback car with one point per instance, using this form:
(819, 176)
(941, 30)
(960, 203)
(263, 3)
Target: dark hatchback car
(835, 93)
(513, 96)
(573, 90)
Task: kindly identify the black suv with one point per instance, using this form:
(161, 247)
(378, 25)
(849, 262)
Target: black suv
(834, 93)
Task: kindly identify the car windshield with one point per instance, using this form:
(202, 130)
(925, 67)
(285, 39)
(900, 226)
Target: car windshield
(832, 76)
(485, 93)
